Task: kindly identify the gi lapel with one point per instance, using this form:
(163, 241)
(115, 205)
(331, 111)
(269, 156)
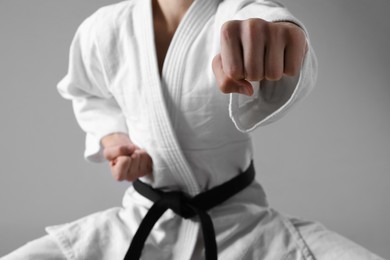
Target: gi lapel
(162, 128)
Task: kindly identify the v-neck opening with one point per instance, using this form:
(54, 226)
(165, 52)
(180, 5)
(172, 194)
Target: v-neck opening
(169, 51)
(153, 10)
(201, 9)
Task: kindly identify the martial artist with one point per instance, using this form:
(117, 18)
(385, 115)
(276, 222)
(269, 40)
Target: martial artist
(167, 91)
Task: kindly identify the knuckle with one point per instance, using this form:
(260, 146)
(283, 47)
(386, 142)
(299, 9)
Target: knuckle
(144, 158)
(291, 71)
(229, 28)
(254, 72)
(113, 151)
(253, 29)
(273, 75)
(122, 150)
(294, 30)
(254, 25)
(291, 33)
(277, 33)
(235, 71)
(254, 77)
(295, 35)
(136, 156)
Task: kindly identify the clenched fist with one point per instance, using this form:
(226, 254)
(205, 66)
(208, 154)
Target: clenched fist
(127, 161)
(254, 49)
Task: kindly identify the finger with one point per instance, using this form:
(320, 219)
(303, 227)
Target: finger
(294, 54)
(231, 50)
(143, 166)
(149, 165)
(110, 153)
(133, 172)
(253, 44)
(113, 162)
(120, 169)
(227, 84)
(274, 55)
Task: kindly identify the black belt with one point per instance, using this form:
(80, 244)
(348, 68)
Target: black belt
(186, 207)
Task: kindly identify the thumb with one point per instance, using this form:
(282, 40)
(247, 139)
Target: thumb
(227, 84)
(111, 153)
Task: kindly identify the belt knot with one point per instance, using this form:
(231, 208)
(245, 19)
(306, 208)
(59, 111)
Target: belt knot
(187, 207)
(180, 203)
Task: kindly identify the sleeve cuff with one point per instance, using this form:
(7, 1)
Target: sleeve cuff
(274, 99)
(93, 147)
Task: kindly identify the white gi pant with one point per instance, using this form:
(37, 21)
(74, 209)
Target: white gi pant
(323, 244)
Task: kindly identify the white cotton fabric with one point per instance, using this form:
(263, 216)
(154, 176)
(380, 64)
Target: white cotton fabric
(197, 136)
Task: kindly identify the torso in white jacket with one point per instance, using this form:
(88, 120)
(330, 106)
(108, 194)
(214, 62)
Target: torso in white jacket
(197, 136)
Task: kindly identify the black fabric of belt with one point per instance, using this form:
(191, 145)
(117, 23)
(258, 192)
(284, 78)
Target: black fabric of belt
(186, 207)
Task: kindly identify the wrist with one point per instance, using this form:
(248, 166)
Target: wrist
(115, 139)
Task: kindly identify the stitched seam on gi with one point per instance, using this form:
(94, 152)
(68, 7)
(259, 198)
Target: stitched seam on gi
(297, 238)
(64, 245)
(301, 244)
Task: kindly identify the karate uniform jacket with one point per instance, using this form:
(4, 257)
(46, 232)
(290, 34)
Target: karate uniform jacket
(197, 136)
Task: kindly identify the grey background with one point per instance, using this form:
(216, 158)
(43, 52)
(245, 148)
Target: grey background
(328, 160)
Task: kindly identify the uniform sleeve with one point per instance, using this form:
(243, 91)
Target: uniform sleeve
(273, 99)
(85, 84)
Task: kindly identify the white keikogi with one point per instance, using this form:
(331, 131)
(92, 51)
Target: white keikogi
(197, 136)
